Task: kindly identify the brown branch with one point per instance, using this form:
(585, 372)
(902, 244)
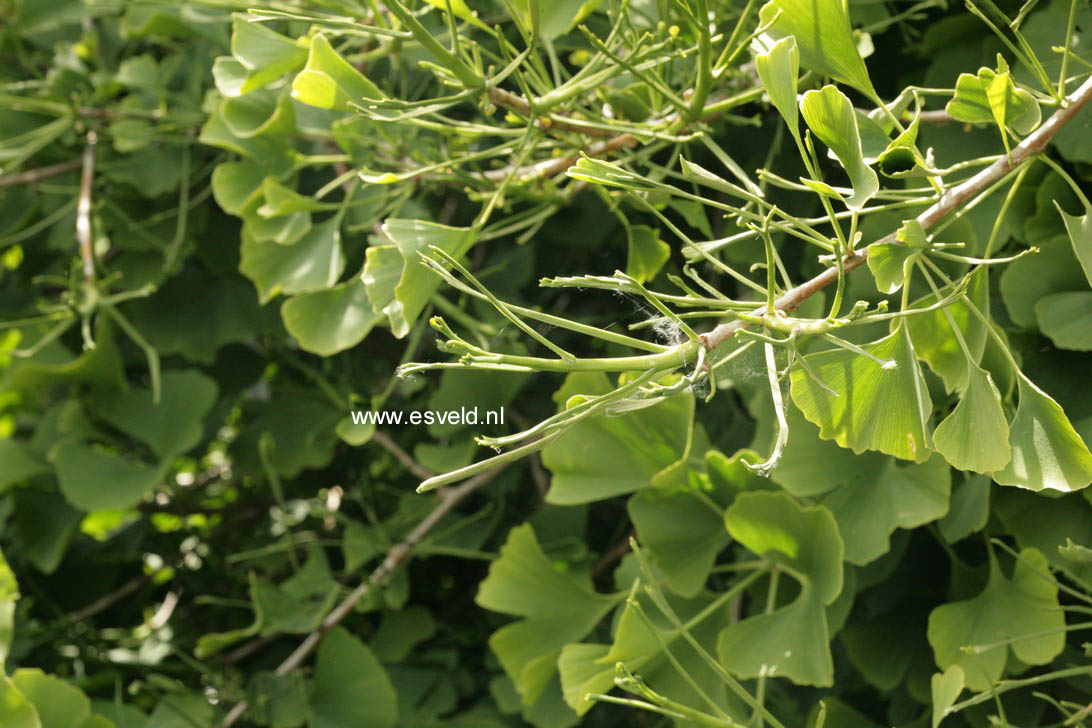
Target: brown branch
(109, 600)
(395, 559)
(419, 471)
(32, 176)
(83, 208)
(949, 202)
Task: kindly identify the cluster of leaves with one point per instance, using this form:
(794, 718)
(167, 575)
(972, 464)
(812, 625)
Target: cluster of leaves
(223, 228)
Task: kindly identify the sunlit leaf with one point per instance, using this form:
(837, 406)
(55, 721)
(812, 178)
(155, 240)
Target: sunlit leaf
(264, 54)
(647, 253)
(824, 36)
(936, 344)
(328, 81)
(975, 436)
(778, 66)
(880, 405)
(1047, 453)
(830, 115)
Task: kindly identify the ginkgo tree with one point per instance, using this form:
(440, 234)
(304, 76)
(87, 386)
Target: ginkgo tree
(790, 303)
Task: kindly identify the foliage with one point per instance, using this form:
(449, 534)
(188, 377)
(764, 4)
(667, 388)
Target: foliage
(769, 488)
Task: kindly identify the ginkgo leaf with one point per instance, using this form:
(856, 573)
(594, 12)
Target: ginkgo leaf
(558, 608)
(265, 54)
(831, 117)
(888, 261)
(1066, 319)
(975, 436)
(945, 688)
(1047, 453)
(878, 402)
(936, 344)
(824, 36)
(1080, 235)
(326, 322)
(417, 283)
(778, 66)
(1020, 614)
(596, 458)
(328, 81)
(792, 641)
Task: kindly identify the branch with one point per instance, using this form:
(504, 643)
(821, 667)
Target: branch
(949, 202)
(37, 175)
(83, 209)
(419, 471)
(395, 559)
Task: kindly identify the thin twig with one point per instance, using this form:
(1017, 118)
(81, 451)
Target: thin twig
(83, 208)
(949, 202)
(41, 173)
(109, 600)
(384, 440)
(395, 559)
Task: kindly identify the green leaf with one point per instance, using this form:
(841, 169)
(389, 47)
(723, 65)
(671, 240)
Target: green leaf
(326, 322)
(354, 434)
(559, 608)
(778, 67)
(400, 631)
(416, 283)
(936, 345)
(603, 456)
(281, 200)
(555, 18)
(887, 261)
(1080, 235)
(869, 509)
(94, 480)
(945, 688)
(265, 55)
(172, 426)
(647, 253)
(969, 511)
(993, 97)
(588, 668)
(328, 81)
(9, 595)
(277, 700)
(351, 687)
(1047, 453)
(975, 436)
(882, 407)
(59, 704)
(180, 710)
(461, 11)
(236, 186)
(1025, 281)
(1022, 613)
(824, 36)
(15, 710)
(18, 464)
(830, 115)
(792, 641)
(260, 112)
(313, 263)
(227, 309)
(682, 533)
(274, 153)
(1066, 318)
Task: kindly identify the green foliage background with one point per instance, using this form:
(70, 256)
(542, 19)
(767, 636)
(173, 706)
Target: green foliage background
(185, 500)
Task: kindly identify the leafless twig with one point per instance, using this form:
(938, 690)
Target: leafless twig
(83, 208)
(37, 175)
